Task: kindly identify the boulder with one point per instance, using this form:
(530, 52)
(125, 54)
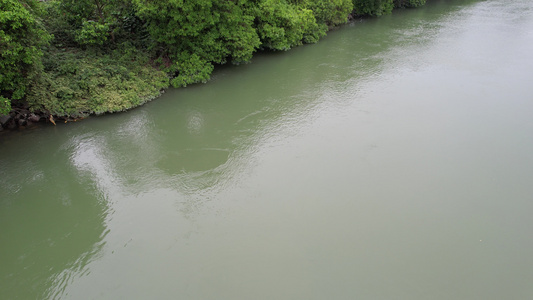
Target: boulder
(34, 118)
(4, 119)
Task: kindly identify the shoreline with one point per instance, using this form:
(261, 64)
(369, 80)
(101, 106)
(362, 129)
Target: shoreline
(22, 117)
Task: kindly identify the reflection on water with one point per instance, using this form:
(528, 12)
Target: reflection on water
(373, 164)
(51, 220)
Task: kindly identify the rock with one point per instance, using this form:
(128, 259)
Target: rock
(22, 111)
(22, 122)
(4, 119)
(10, 124)
(34, 118)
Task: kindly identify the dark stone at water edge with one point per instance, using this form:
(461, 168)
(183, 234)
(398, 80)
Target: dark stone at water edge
(4, 119)
(20, 118)
(34, 118)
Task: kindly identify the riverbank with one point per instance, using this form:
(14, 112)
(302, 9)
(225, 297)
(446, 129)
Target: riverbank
(92, 71)
(76, 84)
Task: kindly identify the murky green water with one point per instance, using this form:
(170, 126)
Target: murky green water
(393, 160)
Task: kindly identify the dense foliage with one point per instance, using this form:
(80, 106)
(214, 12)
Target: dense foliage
(22, 37)
(381, 7)
(69, 57)
(84, 82)
(373, 7)
(408, 3)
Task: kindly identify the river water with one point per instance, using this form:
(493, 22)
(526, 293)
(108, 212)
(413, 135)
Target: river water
(392, 160)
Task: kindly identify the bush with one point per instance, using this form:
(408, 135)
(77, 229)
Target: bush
(83, 82)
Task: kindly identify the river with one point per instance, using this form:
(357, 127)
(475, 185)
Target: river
(392, 160)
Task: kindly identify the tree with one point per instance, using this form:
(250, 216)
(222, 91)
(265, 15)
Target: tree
(330, 12)
(408, 3)
(373, 7)
(92, 22)
(22, 37)
(190, 36)
(281, 25)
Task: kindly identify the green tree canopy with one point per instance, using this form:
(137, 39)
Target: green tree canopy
(21, 39)
(189, 36)
(408, 3)
(373, 7)
(330, 12)
(92, 22)
(281, 25)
